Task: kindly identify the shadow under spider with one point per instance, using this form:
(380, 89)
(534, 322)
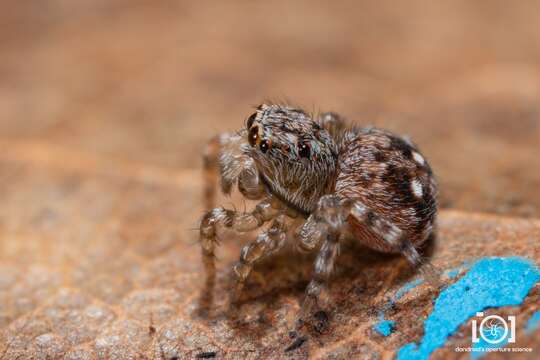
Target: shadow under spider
(286, 274)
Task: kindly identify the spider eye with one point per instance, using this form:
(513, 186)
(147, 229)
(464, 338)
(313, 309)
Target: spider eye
(265, 145)
(304, 149)
(253, 135)
(250, 120)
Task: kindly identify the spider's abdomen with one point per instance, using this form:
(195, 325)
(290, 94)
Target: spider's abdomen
(389, 176)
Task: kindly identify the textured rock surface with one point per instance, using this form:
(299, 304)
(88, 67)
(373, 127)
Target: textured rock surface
(105, 107)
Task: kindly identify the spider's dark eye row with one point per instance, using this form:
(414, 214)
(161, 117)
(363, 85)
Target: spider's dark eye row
(253, 135)
(304, 149)
(264, 145)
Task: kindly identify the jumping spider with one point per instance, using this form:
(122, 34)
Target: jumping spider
(318, 181)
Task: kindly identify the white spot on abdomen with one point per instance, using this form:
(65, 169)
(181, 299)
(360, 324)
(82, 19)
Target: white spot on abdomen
(418, 158)
(417, 188)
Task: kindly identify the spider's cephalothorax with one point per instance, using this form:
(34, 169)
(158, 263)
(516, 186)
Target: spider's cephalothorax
(289, 149)
(364, 183)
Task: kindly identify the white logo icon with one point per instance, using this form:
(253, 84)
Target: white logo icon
(494, 329)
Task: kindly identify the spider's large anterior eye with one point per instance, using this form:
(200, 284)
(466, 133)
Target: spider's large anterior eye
(250, 120)
(304, 149)
(253, 135)
(264, 145)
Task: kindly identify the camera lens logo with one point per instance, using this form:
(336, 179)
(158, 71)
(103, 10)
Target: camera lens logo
(494, 329)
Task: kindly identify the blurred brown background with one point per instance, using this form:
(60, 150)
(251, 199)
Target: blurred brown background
(150, 82)
(106, 105)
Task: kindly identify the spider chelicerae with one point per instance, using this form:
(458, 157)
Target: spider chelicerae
(318, 181)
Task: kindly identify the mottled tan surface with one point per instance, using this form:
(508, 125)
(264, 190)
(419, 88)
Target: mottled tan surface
(105, 107)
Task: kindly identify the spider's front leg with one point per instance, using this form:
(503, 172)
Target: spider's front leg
(266, 243)
(240, 222)
(225, 152)
(210, 170)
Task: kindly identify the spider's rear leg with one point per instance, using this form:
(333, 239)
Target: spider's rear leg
(329, 223)
(219, 218)
(325, 224)
(395, 238)
(332, 122)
